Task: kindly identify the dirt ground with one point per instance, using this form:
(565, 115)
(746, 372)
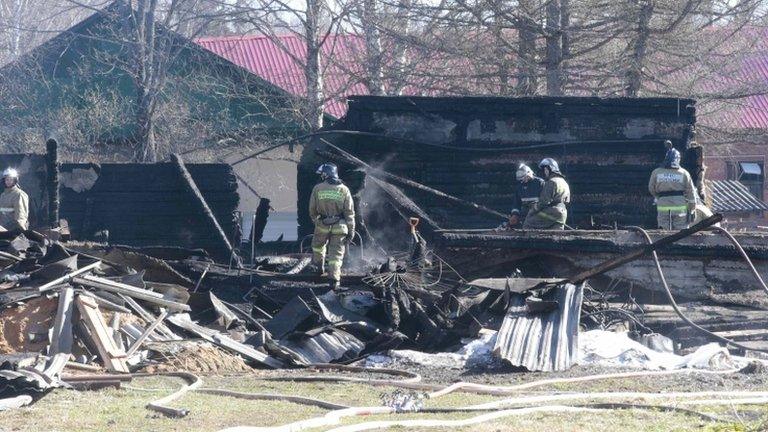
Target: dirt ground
(19, 324)
(124, 409)
(202, 358)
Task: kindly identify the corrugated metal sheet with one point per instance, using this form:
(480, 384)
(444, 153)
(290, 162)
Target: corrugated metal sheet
(24, 381)
(543, 341)
(324, 347)
(733, 196)
(280, 61)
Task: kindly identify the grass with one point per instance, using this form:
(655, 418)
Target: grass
(124, 410)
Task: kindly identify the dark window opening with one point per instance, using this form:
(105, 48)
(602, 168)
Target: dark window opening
(752, 175)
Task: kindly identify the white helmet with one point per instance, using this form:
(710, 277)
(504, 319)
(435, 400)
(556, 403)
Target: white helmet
(523, 172)
(11, 172)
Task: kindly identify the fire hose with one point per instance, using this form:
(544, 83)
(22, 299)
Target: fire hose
(676, 308)
(493, 410)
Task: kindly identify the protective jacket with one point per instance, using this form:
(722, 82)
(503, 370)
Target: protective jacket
(526, 195)
(550, 212)
(675, 196)
(14, 209)
(333, 212)
(329, 202)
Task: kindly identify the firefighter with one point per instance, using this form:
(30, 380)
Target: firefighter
(333, 213)
(673, 192)
(550, 211)
(526, 194)
(14, 203)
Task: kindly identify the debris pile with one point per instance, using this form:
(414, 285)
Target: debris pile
(93, 309)
(88, 316)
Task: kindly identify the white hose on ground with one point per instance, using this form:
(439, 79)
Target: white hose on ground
(501, 390)
(612, 396)
(193, 382)
(421, 423)
(329, 419)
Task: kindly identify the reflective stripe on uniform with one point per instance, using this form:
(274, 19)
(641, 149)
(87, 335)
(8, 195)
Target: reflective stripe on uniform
(319, 249)
(322, 229)
(6, 209)
(548, 217)
(676, 208)
(331, 194)
(532, 199)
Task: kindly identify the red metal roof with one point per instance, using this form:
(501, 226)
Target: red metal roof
(280, 61)
(743, 69)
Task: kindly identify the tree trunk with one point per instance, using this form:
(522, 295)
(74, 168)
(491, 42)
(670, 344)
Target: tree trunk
(527, 82)
(146, 129)
(312, 69)
(503, 69)
(403, 29)
(146, 79)
(638, 48)
(554, 48)
(372, 48)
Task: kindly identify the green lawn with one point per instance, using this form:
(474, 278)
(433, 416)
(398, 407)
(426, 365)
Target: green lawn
(123, 410)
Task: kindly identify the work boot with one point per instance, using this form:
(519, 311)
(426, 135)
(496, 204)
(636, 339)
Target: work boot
(315, 269)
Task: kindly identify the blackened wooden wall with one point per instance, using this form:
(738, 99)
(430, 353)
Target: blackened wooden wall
(147, 204)
(470, 147)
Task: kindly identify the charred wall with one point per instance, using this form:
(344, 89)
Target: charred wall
(147, 204)
(469, 147)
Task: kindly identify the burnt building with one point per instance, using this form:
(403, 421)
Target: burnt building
(469, 147)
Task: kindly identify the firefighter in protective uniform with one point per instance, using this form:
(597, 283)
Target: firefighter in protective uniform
(550, 212)
(526, 194)
(674, 193)
(333, 213)
(14, 203)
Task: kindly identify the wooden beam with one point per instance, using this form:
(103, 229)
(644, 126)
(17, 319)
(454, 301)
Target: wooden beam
(193, 190)
(61, 337)
(162, 330)
(131, 291)
(111, 355)
(68, 277)
(146, 333)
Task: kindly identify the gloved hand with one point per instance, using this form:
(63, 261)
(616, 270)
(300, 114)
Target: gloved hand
(348, 239)
(514, 220)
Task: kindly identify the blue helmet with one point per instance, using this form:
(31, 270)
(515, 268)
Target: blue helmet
(551, 164)
(328, 171)
(672, 159)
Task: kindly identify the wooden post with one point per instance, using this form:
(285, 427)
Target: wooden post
(262, 214)
(192, 188)
(52, 156)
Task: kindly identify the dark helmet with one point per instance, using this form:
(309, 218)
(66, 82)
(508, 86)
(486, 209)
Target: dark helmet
(551, 164)
(672, 159)
(328, 171)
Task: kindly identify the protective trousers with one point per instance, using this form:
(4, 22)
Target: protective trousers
(550, 218)
(672, 212)
(329, 240)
